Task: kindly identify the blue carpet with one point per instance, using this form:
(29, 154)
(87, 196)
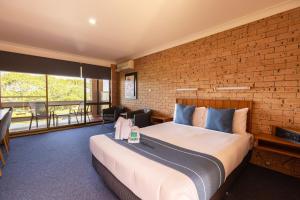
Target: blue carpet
(58, 166)
(55, 165)
(257, 183)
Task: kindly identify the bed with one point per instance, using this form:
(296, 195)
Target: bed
(132, 175)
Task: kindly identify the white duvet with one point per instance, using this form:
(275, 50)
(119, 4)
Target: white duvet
(151, 180)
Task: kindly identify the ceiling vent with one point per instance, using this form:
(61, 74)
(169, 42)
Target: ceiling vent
(128, 65)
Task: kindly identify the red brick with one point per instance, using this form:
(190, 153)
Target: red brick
(264, 55)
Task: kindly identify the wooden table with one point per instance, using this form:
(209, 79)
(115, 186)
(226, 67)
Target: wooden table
(156, 119)
(277, 154)
(277, 145)
(68, 115)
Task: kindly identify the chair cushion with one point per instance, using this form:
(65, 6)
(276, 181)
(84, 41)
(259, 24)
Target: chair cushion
(184, 114)
(220, 119)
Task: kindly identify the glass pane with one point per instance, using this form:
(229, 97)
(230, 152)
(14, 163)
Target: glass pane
(92, 114)
(66, 97)
(26, 93)
(97, 92)
(105, 91)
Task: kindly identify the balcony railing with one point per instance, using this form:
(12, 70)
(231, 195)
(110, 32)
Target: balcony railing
(62, 113)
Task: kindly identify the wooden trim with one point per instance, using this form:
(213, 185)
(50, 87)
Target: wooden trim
(47, 101)
(98, 95)
(53, 129)
(1, 106)
(217, 103)
(110, 93)
(84, 99)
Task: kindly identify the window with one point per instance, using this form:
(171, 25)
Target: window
(59, 99)
(20, 90)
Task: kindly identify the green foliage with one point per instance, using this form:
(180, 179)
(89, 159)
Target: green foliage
(21, 88)
(65, 89)
(22, 85)
(17, 84)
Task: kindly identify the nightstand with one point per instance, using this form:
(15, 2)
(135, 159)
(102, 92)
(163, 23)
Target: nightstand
(156, 119)
(277, 145)
(276, 153)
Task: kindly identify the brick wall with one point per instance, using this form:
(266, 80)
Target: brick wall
(264, 54)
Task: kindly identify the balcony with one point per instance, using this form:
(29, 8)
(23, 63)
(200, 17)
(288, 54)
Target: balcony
(41, 101)
(60, 113)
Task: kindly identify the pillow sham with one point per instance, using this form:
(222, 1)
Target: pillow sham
(220, 119)
(239, 124)
(199, 117)
(184, 114)
(174, 114)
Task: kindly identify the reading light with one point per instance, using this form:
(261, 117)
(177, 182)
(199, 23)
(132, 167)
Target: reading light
(92, 21)
(186, 89)
(234, 88)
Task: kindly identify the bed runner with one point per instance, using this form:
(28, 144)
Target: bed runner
(206, 171)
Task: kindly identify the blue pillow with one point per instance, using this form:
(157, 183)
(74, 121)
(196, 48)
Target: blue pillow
(184, 114)
(220, 119)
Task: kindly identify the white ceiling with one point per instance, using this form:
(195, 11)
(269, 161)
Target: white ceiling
(124, 29)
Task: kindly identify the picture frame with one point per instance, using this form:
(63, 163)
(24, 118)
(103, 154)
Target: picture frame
(131, 85)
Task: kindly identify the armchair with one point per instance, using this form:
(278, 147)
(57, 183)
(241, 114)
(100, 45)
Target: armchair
(141, 118)
(111, 114)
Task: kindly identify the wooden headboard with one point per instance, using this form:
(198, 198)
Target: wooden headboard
(213, 103)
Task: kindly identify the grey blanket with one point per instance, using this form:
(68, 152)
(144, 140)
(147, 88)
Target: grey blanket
(207, 172)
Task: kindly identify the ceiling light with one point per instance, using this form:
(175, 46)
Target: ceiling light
(92, 21)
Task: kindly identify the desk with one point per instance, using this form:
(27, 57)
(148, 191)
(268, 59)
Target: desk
(3, 113)
(4, 138)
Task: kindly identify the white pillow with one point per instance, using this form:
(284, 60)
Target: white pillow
(174, 114)
(199, 117)
(239, 122)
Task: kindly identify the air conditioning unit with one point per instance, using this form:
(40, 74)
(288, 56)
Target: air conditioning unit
(125, 66)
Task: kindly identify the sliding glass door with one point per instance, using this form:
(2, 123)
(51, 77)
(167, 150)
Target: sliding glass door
(26, 93)
(97, 98)
(65, 100)
(48, 101)
(105, 95)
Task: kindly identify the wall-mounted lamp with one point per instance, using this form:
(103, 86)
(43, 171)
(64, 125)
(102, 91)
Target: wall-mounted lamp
(233, 88)
(186, 89)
